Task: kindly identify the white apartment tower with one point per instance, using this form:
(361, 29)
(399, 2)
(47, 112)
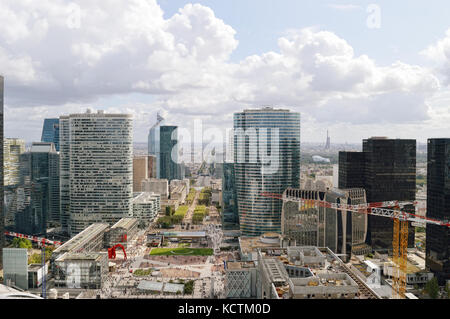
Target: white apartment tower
(96, 169)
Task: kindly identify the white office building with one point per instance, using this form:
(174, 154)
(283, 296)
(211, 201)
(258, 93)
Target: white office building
(96, 169)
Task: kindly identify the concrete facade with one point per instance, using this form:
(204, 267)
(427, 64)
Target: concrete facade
(157, 186)
(146, 207)
(100, 168)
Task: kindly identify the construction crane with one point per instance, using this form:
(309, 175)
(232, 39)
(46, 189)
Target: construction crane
(42, 241)
(383, 209)
(34, 238)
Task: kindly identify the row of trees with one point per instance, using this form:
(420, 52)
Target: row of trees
(191, 196)
(205, 196)
(200, 213)
(172, 217)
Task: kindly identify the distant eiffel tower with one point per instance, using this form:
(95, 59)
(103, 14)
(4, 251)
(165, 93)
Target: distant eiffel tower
(328, 145)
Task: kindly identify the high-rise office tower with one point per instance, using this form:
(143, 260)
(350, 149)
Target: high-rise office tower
(438, 207)
(64, 172)
(39, 165)
(100, 158)
(168, 153)
(12, 148)
(2, 217)
(32, 214)
(144, 167)
(386, 169)
(154, 142)
(266, 159)
(50, 132)
(351, 170)
(230, 216)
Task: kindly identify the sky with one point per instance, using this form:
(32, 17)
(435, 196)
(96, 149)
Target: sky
(356, 68)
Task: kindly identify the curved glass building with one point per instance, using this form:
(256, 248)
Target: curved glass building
(266, 160)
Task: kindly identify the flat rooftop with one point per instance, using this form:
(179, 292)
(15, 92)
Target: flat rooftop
(80, 240)
(95, 256)
(236, 265)
(250, 244)
(200, 234)
(145, 197)
(125, 223)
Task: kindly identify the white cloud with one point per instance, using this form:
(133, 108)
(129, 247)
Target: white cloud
(124, 47)
(119, 47)
(343, 7)
(439, 54)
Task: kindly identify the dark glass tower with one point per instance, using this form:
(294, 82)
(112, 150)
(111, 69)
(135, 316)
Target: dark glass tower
(230, 217)
(351, 170)
(40, 178)
(386, 169)
(50, 132)
(2, 216)
(438, 207)
(257, 151)
(168, 168)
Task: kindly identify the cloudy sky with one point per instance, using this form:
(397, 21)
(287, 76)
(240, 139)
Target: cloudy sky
(359, 69)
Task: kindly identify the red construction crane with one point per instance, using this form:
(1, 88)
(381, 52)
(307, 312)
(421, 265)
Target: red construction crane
(400, 238)
(36, 239)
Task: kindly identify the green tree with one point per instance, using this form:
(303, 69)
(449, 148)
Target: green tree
(189, 287)
(21, 243)
(168, 211)
(432, 288)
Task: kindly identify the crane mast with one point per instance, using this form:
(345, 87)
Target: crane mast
(388, 209)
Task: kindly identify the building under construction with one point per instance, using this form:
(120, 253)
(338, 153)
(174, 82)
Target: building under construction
(309, 224)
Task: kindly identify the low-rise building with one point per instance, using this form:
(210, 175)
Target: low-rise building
(36, 273)
(121, 232)
(90, 239)
(157, 186)
(178, 193)
(146, 207)
(324, 286)
(15, 267)
(240, 280)
(81, 270)
(307, 273)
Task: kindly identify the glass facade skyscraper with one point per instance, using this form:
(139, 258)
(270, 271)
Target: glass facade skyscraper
(12, 148)
(154, 144)
(40, 166)
(230, 216)
(266, 159)
(50, 132)
(168, 167)
(386, 169)
(438, 207)
(64, 173)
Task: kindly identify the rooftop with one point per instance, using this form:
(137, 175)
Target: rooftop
(250, 244)
(185, 234)
(236, 265)
(96, 256)
(43, 148)
(125, 223)
(82, 238)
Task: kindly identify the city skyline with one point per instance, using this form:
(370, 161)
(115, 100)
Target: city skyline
(355, 69)
(170, 149)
